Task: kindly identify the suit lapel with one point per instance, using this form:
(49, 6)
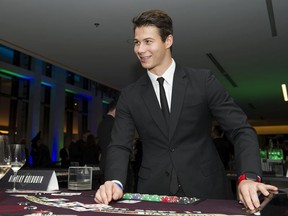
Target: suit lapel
(152, 104)
(180, 82)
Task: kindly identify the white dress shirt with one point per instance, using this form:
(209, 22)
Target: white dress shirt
(168, 75)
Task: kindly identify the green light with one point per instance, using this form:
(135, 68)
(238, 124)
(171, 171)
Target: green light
(263, 153)
(46, 84)
(14, 74)
(70, 91)
(5, 76)
(105, 102)
(276, 154)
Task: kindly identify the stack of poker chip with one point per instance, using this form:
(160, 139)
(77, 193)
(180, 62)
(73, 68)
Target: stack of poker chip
(159, 198)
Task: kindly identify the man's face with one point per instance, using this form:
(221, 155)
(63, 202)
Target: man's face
(152, 52)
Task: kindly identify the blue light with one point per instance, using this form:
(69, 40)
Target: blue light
(55, 149)
(46, 84)
(86, 96)
(7, 55)
(80, 94)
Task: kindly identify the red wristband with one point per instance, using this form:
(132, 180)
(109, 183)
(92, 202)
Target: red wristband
(245, 177)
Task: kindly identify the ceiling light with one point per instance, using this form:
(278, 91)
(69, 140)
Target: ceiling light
(284, 90)
(14, 74)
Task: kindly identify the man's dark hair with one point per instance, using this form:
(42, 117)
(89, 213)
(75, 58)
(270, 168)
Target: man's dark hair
(156, 18)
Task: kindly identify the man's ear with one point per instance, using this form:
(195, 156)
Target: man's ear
(169, 41)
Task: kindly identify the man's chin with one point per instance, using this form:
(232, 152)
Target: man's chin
(145, 66)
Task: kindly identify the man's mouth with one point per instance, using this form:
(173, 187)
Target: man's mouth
(144, 58)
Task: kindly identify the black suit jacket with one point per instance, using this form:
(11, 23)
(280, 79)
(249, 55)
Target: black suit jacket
(197, 98)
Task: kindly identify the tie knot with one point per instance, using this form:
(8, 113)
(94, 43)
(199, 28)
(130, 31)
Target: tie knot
(160, 80)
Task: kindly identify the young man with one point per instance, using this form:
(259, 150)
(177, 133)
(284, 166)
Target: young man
(179, 156)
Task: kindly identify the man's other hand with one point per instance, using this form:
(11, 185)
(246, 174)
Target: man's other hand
(107, 192)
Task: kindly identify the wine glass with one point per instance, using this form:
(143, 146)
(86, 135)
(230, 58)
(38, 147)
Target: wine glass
(18, 159)
(5, 156)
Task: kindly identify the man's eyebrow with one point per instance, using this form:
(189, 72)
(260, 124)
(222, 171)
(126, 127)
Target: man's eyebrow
(149, 38)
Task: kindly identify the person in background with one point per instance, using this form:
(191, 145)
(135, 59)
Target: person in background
(174, 124)
(104, 134)
(224, 147)
(65, 155)
(136, 161)
(41, 155)
(27, 162)
(75, 149)
(89, 151)
(34, 147)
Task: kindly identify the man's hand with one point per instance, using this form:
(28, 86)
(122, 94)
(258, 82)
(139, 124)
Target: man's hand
(107, 192)
(248, 193)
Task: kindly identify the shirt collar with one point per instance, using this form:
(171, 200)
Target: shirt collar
(167, 75)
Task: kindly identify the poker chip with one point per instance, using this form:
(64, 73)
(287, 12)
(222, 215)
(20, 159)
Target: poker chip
(145, 197)
(164, 199)
(184, 200)
(173, 199)
(187, 200)
(136, 196)
(194, 199)
(127, 196)
(160, 198)
(30, 207)
(154, 198)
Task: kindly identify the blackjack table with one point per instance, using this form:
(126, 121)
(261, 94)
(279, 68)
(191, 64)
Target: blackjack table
(82, 203)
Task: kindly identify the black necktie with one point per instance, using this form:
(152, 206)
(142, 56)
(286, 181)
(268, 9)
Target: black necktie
(163, 99)
(165, 110)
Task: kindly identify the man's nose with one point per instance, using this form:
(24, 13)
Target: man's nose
(141, 48)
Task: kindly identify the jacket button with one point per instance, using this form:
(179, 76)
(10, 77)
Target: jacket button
(167, 173)
(172, 149)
